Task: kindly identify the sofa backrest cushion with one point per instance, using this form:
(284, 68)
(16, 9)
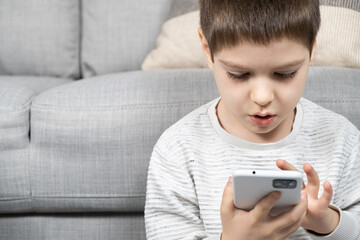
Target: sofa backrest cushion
(117, 35)
(39, 37)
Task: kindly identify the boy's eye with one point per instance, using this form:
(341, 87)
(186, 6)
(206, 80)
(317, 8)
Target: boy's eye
(285, 75)
(243, 76)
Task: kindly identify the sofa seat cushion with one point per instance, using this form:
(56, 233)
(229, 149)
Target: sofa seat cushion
(15, 102)
(92, 139)
(14, 148)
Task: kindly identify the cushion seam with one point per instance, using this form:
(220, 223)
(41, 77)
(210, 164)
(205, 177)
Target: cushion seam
(107, 108)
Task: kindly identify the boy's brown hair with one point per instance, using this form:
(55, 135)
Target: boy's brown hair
(226, 23)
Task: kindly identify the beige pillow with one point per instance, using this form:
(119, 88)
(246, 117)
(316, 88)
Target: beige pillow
(338, 40)
(178, 45)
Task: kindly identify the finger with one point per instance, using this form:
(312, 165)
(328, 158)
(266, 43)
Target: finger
(313, 185)
(284, 165)
(326, 197)
(227, 203)
(287, 219)
(263, 207)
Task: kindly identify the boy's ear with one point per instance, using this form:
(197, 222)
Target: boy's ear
(313, 51)
(205, 48)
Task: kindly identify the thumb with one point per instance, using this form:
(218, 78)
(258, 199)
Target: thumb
(227, 203)
(263, 207)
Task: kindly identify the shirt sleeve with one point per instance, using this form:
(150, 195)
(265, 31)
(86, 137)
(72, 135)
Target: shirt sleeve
(348, 227)
(348, 200)
(171, 208)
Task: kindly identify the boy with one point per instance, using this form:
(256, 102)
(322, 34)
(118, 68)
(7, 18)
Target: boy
(260, 53)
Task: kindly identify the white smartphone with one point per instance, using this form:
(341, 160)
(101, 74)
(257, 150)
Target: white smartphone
(250, 186)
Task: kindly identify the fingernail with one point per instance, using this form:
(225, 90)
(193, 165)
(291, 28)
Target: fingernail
(230, 180)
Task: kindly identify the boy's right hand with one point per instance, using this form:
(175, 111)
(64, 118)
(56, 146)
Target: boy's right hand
(257, 223)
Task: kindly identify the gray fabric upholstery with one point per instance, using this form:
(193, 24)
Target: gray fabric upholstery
(40, 38)
(15, 103)
(33, 84)
(110, 44)
(352, 4)
(13, 98)
(92, 140)
(72, 227)
(180, 7)
(337, 89)
(14, 148)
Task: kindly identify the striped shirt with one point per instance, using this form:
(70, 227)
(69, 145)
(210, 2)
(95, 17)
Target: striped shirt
(194, 158)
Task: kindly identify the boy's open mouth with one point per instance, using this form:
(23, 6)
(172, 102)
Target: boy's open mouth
(262, 120)
(263, 117)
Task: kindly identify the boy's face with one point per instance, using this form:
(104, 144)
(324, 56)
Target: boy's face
(260, 86)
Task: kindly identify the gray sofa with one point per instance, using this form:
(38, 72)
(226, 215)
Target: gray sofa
(79, 119)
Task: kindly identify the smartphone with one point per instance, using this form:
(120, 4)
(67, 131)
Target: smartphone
(250, 186)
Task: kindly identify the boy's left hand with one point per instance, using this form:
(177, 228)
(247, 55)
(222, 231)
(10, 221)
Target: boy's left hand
(319, 218)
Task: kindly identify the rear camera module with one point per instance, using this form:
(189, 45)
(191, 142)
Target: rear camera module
(284, 183)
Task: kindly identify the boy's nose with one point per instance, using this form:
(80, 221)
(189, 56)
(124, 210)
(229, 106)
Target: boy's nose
(262, 94)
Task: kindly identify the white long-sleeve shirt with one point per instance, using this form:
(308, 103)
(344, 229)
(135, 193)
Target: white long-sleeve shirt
(194, 158)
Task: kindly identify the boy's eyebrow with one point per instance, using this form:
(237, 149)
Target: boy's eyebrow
(289, 64)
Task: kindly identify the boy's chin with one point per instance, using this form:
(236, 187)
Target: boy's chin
(268, 133)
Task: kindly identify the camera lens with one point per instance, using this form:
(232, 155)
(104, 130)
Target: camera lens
(292, 184)
(278, 184)
(284, 183)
